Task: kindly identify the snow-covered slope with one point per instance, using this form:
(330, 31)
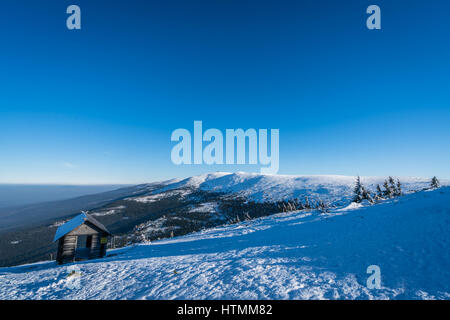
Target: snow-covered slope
(333, 189)
(301, 255)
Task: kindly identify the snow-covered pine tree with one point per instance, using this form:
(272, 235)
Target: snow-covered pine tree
(306, 204)
(358, 190)
(322, 206)
(379, 192)
(296, 204)
(292, 206)
(288, 206)
(388, 192)
(392, 184)
(279, 206)
(435, 183)
(300, 206)
(366, 195)
(399, 188)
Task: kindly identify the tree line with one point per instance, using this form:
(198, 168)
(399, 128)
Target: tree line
(390, 189)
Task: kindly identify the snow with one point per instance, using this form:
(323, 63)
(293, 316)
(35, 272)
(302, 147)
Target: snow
(75, 223)
(301, 255)
(57, 224)
(333, 189)
(196, 181)
(156, 197)
(351, 206)
(206, 207)
(155, 227)
(70, 225)
(108, 212)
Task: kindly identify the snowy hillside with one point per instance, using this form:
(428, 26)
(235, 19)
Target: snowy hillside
(299, 255)
(180, 206)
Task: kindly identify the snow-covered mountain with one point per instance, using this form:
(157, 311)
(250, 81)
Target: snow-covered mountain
(299, 255)
(212, 199)
(259, 187)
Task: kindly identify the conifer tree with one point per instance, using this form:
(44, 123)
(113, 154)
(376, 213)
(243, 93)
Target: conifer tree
(366, 195)
(388, 192)
(435, 183)
(399, 188)
(296, 204)
(358, 190)
(322, 206)
(392, 184)
(307, 205)
(379, 191)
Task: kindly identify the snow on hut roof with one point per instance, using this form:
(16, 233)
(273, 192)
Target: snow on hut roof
(75, 223)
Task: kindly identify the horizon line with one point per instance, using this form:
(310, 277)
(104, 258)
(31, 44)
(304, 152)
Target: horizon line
(186, 177)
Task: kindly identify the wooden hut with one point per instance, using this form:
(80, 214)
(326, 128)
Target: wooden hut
(81, 238)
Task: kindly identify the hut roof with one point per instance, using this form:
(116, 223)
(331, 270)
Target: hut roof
(75, 223)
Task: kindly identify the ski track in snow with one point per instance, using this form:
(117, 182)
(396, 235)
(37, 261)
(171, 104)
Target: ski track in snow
(301, 255)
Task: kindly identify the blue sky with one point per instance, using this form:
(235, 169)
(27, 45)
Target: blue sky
(98, 105)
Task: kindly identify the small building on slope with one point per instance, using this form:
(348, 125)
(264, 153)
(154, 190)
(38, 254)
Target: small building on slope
(81, 238)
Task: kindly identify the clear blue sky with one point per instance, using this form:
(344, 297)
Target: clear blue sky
(98, 105)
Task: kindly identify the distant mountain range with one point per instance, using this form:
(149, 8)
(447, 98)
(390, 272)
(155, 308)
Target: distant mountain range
(13, 195)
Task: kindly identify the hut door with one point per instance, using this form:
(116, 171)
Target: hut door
(89, 242)
(83, 247)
